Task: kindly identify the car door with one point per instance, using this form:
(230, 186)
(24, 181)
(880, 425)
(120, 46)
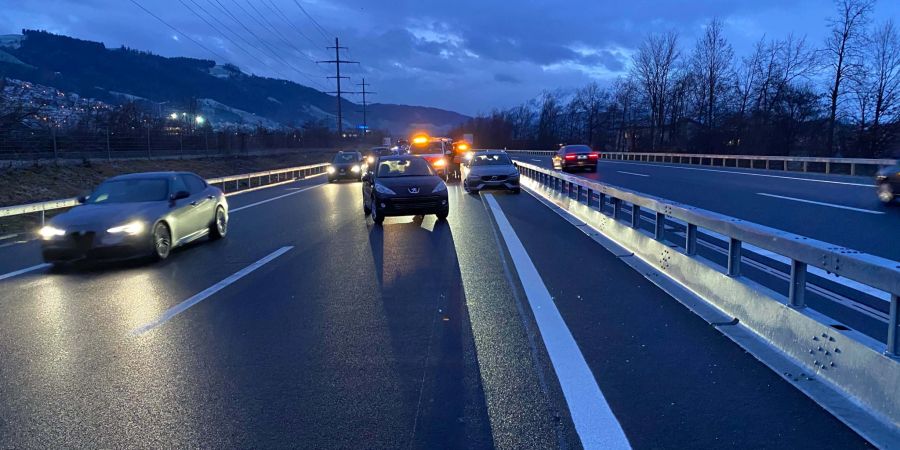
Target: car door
(203, 201)
(182, 219)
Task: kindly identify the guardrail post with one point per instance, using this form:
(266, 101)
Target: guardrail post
(690, 240)
(734, 257)
(893, 341)
(827, 166)
(601, 201)
(615, 206)
(635, 216)
(590, 197)
(660, 227)
(805, 166)
(797, 291)
(852, 168)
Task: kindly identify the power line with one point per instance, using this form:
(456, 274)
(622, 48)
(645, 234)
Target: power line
(178, 31)
(337, 65)
(278, 12)
(364, 92)
(269, 27)
(325, 34)
(217, 30)
(272, 52)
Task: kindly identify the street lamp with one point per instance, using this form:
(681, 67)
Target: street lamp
(173, 116)
(199, 120)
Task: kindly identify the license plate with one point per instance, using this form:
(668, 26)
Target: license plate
(582, 156)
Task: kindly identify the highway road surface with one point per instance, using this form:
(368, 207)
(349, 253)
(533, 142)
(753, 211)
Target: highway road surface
(838, 209)
(310, 327)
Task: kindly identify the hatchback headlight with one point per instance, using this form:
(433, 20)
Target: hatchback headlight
(382, 189)
(48, 232)
(130, 228)
(330, 169)
(355, 169)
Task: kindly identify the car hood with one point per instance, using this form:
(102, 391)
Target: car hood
(888, 171)
(480, 171)
(401, 185)
(101, 217)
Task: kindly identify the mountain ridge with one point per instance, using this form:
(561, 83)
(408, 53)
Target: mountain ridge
(90, 69)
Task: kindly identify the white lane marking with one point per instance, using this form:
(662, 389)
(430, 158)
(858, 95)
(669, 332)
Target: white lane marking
(234, 210)
(537, 160)
(632, 173)
(206, 293)
(21, 271)
(594, 421)
(812, 202)
(734, 172)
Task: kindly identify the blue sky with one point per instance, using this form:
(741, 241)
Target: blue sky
(465, 55)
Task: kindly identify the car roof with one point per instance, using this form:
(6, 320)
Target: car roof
(146, 175)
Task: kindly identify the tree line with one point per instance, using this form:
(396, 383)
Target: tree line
(788, 96)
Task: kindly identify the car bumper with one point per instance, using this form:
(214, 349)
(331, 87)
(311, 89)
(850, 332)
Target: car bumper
(574, 164)
(344, 175)
(481, 184)
(411, 206)
(75, 246)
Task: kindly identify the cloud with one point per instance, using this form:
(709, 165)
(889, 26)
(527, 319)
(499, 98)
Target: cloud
(506, 78)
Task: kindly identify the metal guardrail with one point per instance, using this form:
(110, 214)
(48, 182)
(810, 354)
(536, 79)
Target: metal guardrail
(803, 164)
(783, 162)
(879, 273)
(261, 178)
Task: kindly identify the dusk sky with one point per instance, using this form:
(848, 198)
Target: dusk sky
(468, 56)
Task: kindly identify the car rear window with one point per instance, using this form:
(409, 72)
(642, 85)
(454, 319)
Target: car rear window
(578, 149)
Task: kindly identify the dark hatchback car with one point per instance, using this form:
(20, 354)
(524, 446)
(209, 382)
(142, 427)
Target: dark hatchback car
(346, 165)
(491, 170)
(141, 214)
(404, 186)
(887, 181)
(572, 157)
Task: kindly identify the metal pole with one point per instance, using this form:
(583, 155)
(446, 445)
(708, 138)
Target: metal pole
(690, 240)
(108, 155)
(149, 155)
(797, 291)
(893, 342)
(660, 229)
(635, 216)
(734, 257)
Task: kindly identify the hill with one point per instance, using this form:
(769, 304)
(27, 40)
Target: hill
(122, 74)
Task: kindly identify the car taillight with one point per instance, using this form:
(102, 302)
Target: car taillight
(570, 156)
(594, 155)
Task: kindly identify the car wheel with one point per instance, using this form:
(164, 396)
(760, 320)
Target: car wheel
(886, 193)
(377, 218)
(219, 227)
(162, 241)
(442, 215)
(517, 190)
(473, 191)
(366, 209)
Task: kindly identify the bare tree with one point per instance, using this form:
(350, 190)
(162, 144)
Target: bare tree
(712, 68)
(841, 47)
(653, 64)
(883, 57)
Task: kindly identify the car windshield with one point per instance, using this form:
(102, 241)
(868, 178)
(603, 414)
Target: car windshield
(412, 167)
(491, 159)
(346, 158)
(429, 149)
(130, 191)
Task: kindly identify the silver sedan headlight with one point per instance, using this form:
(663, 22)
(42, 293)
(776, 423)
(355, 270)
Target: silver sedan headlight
(50, 232)
(130, 228)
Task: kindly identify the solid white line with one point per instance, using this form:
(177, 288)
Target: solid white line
(595, 423)
(21, 271)
(537, 160)
(832, 205)
(206, 293)
(735, 172)
(234, 210)
(632, 173)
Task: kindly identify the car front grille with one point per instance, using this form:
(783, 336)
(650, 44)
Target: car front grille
(82, 241)
(494, 178)
(424, 203)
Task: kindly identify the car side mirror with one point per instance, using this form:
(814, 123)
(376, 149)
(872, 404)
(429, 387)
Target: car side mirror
(179, 195)
(82, 199)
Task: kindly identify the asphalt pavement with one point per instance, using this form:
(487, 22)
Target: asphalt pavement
(310, 327)
(838, 209)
